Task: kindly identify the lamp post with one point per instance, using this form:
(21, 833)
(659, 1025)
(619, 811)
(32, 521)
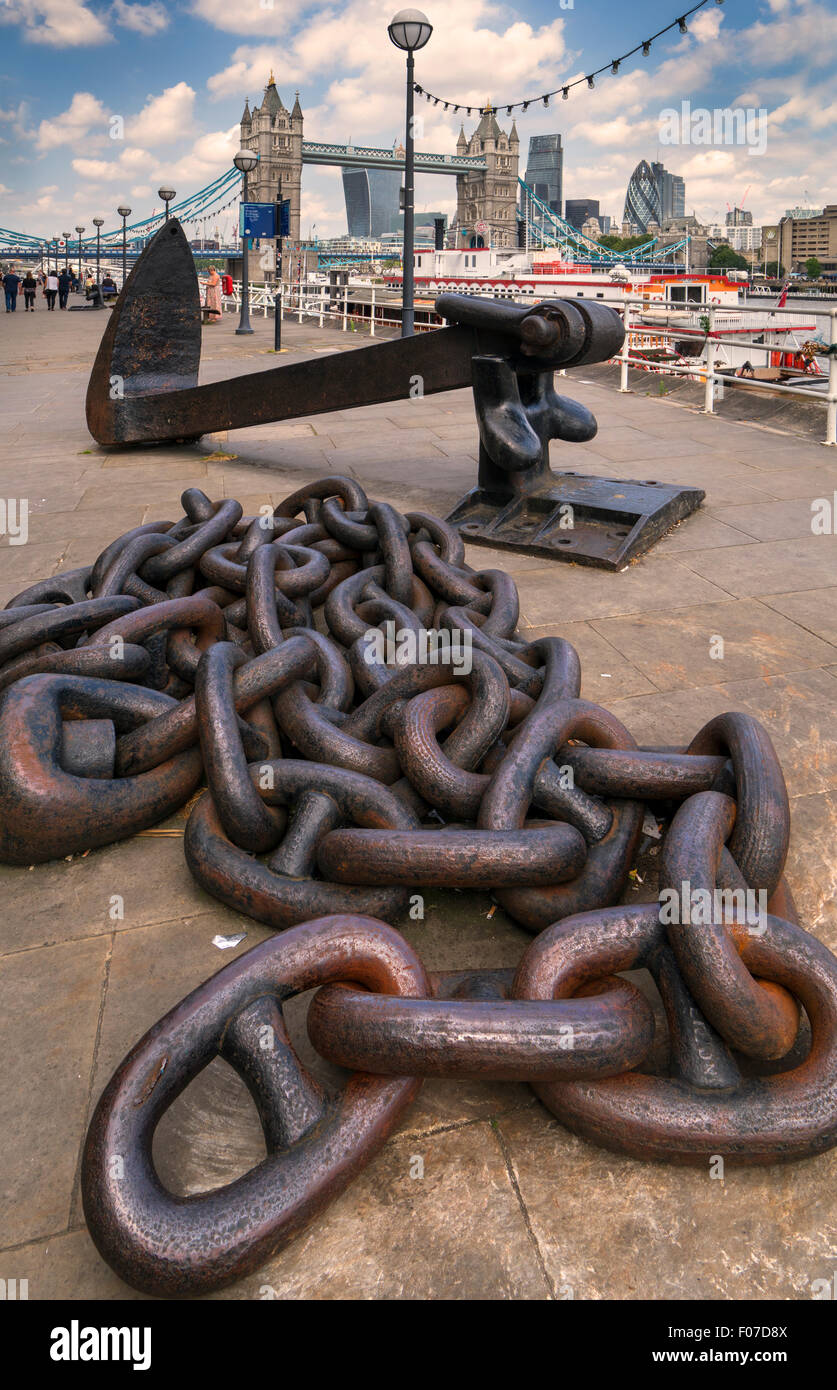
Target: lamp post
(80, 230)
(124, 213)
(409, 30)
(277, 300)
(98, 223)
(245, 161)
(168, 195)
(66, 236)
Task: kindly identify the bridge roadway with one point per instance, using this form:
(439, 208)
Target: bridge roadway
(363, 157)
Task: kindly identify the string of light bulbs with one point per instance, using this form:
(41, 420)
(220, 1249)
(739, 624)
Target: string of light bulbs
(589, 79)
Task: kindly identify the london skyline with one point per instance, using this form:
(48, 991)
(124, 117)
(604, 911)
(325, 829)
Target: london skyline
(69, 67)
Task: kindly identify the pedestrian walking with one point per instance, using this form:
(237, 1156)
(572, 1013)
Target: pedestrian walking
(63, 289)
(11, 285)
(51, 290)
(30, 286)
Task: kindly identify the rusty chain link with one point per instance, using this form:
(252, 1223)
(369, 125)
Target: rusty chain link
(369, 722)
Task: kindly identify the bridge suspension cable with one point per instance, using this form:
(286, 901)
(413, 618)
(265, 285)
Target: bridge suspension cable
(207, 200)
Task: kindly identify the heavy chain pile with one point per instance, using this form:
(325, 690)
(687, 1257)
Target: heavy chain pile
(369, 724)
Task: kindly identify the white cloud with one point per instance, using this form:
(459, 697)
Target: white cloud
(59, 23)
(163, 119)
(73, 126)
(466, 57)
(130, 163)
(143, 19)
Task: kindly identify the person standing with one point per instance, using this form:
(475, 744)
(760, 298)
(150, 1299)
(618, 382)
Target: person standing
(213, 295)
(11, 285)
(30, 285)
(51, 290)
(63, 289)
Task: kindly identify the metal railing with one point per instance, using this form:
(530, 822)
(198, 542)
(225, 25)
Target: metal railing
(327, 304)
(333, 305)
(705, 366)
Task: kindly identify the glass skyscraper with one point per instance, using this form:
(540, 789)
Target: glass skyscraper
(545, 169)
(578, 210)
(653, 196)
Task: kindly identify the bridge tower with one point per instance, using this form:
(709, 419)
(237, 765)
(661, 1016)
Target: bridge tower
(489, 195)
(275, 133)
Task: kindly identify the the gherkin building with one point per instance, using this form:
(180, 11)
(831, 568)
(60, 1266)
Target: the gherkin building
(642, 200)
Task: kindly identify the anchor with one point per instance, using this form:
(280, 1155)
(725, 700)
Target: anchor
(144, 389)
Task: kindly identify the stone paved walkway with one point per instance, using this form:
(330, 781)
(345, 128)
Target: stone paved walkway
(511, 1205)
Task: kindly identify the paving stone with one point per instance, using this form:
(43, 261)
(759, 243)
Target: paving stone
(808, 562)
(674, 649)
(770, 521)
(578, 592)
(812, 863)
(49, 1012)
(814, 609)
(609, 1227)
(797, 710)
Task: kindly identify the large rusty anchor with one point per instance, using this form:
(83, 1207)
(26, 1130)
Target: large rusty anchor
(144, 388)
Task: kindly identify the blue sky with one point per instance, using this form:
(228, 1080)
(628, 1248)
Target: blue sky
(177, 74)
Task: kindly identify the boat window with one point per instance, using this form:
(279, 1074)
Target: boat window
(678, 293)
(579, 294)
(600, 294)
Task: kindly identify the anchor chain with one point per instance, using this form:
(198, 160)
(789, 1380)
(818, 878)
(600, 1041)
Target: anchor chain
(368, 722)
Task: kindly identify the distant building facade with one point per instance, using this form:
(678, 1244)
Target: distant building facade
(737, 217)
(371, 200)
(744, 238)
(803, 237)
(275, 134)
(672, 193)
(578, 210)
(489, 195)
(545, 170)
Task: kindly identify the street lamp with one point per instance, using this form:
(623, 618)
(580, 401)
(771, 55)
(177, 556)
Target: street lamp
(168, 195)
(124, 213)
(80, 231)
(98, 223)
(409, 30)
(66, 236)
(245, 161)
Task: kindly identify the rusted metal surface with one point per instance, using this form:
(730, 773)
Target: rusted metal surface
(144, 387)
(316, 1141)
(343, 775)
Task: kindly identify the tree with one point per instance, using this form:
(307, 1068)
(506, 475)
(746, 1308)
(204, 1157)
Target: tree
(621, 243)
(774, 270)
(813, 269)
(724, 258)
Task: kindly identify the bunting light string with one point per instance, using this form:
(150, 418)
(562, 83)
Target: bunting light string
(612, 67)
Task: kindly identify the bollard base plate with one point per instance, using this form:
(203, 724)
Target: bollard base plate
(605, 522)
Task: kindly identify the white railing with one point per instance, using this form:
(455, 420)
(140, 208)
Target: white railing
(705, 366)
(327, 304)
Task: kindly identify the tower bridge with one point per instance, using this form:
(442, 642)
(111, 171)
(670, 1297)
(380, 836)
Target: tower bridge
(485, 165)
